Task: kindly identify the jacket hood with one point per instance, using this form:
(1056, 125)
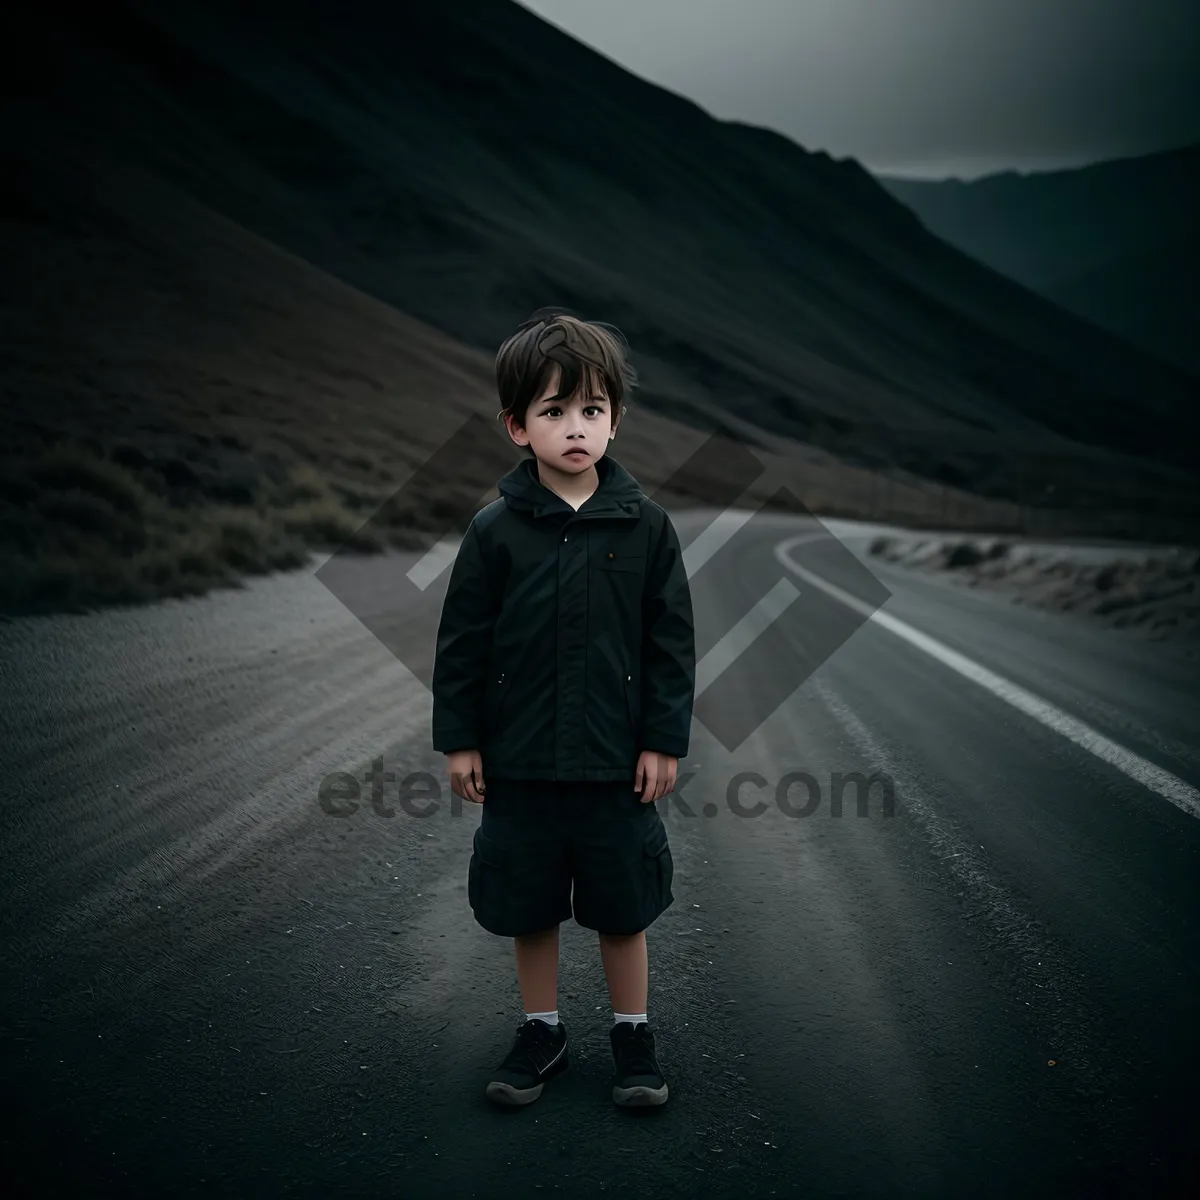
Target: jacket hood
(618, 493)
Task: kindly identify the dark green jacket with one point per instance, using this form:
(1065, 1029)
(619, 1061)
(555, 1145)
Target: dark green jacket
(566, 644)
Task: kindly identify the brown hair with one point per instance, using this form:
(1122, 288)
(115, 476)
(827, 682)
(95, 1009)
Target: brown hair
(581, 349)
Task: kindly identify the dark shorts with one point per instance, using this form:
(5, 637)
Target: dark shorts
(546, 850)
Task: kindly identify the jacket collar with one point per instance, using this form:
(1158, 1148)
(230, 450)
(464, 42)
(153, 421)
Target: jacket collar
(618, 494)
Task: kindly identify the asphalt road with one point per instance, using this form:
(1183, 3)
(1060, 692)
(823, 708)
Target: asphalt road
(217, 984)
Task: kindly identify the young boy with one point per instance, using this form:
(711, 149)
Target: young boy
(565, 670)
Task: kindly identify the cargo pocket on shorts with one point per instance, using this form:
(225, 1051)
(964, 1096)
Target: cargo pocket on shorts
(487, 857)
(660, 868)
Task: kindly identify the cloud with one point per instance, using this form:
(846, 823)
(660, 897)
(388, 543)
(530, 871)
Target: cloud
(904, 84)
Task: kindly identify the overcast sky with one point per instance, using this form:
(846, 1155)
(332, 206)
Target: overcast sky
(921, 87)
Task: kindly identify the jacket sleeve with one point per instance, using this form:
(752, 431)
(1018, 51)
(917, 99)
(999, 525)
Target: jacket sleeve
(668, 649)
(464, 642)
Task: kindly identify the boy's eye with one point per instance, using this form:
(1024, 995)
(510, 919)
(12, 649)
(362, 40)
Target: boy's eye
(554, 410)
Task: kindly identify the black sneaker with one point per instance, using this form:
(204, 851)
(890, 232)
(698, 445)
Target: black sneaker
(539, 1052)
(638, 1080)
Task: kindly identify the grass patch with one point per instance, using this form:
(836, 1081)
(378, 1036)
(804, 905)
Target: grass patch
(80, 530)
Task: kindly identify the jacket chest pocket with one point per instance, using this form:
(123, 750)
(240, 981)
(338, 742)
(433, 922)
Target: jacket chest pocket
(620, 562)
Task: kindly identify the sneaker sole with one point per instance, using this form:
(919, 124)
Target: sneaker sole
(506, 1094)
(639, 1097)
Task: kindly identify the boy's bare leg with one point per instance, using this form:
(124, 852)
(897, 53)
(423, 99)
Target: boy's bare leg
(627, 970)
(537, 970)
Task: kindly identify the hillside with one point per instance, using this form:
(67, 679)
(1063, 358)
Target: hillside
(257, 260)
(1116, 242)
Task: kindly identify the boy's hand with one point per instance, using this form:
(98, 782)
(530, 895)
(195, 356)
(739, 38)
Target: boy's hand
(655, 775)
(466, 774)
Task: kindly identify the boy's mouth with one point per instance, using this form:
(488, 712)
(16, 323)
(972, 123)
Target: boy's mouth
(576, 453)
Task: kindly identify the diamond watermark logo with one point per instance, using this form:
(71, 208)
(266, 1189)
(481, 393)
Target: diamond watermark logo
(774, 593)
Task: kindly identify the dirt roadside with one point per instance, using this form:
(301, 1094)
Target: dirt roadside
(1153, 591)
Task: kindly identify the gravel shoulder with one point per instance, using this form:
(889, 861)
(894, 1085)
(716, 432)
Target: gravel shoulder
(1149, 591)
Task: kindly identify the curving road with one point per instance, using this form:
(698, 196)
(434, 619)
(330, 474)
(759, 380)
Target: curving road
(219, 982)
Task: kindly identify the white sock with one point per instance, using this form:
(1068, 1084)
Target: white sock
(551, 1018)
(633, 1018)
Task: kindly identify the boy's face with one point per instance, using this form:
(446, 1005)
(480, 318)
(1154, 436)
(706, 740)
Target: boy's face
(571, 435)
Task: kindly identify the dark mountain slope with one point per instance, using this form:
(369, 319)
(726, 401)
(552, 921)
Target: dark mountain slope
(1116, 242)
(470, 162)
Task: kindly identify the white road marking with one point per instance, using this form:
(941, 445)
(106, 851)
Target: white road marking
(1170, 787)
